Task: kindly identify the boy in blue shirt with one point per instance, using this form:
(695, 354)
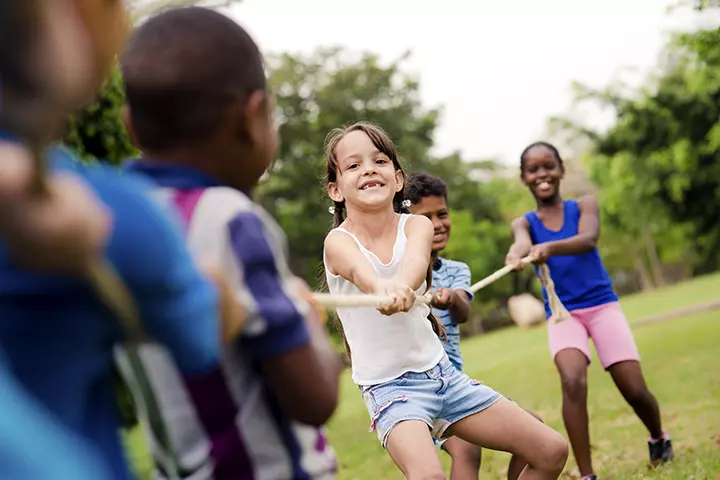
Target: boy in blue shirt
(451, 305)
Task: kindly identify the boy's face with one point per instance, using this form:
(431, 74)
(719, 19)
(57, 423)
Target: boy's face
(264, 137)
(435, 208)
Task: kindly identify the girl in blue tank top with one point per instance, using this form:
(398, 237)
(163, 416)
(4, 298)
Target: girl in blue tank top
(563, 234)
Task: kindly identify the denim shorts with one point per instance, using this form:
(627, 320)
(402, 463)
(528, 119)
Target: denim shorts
(439, 397)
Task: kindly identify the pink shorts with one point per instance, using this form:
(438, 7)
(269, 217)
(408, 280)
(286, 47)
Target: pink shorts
(605, 324)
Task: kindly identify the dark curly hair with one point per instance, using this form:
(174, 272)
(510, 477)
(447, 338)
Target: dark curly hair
(422, 184)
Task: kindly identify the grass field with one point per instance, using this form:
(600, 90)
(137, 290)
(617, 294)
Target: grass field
(681, 362)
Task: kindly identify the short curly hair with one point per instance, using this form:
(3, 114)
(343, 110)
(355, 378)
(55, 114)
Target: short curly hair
(421, 185)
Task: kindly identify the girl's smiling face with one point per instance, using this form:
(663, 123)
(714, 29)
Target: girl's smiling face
(542, 172)
(366, 177)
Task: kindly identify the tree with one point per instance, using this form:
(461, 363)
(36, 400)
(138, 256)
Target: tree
(658, 166)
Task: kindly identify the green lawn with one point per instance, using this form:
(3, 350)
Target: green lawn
(681, 362)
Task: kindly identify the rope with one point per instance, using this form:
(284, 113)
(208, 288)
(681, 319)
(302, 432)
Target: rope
(559, 312)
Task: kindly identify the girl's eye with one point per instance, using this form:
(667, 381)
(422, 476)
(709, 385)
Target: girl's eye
(380, 160)
(352, 165)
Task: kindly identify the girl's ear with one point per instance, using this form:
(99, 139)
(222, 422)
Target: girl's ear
(399, 180)
(522, 177)
(334, 192)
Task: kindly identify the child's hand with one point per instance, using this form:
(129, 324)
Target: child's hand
(515, 261)
(443, 298)
(302, 289)
(232, 314)
(403, 295)
(63, 231)
(539, 253)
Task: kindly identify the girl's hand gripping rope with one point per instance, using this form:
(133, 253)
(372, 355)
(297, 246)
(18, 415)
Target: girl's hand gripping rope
(403, 296)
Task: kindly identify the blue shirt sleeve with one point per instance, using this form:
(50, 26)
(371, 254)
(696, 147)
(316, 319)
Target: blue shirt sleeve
(461, 279)
(283, 326)
(179, 307)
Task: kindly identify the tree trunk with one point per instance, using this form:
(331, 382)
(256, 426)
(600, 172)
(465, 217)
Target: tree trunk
(646, 282)
(656, 267)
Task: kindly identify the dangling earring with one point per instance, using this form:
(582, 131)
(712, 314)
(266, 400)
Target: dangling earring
(406, 203)
(331, 209)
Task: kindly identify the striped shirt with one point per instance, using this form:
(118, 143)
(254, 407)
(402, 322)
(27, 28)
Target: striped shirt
(455, 276)
(229, 425)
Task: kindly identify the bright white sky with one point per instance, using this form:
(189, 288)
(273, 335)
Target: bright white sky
(498, 68)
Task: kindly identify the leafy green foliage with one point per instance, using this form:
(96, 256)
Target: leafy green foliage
(98, 133)
(658, 165)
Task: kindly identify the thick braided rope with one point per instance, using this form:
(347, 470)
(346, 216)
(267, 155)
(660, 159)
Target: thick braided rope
(559, 312)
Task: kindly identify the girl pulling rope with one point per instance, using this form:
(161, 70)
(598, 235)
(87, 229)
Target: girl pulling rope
(562, 235)
(410, 388)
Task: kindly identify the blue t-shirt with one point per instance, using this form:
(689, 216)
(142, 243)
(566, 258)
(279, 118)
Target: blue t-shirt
(581, 281)
(455, 276)
(59, 337)
(35, 446)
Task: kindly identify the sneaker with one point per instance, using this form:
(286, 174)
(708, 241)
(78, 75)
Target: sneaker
(661, 450)
(592, 476)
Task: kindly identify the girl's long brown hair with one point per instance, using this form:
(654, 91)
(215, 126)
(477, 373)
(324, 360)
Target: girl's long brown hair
(385, 145)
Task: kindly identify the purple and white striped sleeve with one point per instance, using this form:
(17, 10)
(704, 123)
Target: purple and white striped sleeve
(284, 328)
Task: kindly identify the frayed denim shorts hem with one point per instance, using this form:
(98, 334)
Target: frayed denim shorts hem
(439, 397)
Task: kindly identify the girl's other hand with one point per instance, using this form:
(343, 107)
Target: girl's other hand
(515, 261)
(539, 253)
(403, 296)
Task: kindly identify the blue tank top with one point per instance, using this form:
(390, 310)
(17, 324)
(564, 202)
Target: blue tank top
(581, 281)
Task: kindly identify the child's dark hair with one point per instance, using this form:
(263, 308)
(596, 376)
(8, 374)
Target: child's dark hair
(385, 145)
(182, 68)
(422, 184)
(547, 145)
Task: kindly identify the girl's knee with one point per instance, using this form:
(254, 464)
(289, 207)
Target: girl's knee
(551, 453)
(557, 453)
(466, 453)
(574, 385)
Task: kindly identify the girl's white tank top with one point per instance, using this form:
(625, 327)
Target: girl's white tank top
(385, 347)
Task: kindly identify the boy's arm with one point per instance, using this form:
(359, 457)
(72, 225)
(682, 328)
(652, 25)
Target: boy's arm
(283, 333)
(460, 307)
(344, 258)
(588, 231)
(413, 269)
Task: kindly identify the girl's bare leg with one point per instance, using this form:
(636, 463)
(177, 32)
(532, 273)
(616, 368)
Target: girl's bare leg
(507, 427)
(412, 449)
